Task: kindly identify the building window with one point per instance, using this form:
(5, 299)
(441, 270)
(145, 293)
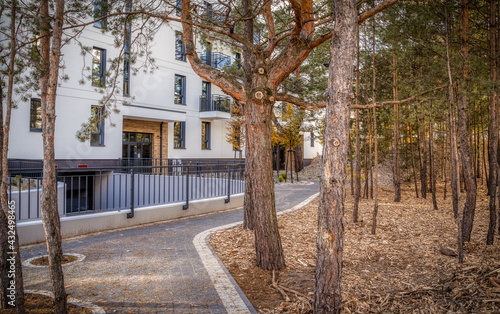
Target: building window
(313, 137)
(205, 135)
(179, 47)
(97, 132)
(208, 11)
(100, 10)
(178, 7)
(237, 59)
(180, 90)
(179, 134)
(35, 115)
(98, 67)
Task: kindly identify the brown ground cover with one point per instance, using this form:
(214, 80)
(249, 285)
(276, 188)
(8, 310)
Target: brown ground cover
(41, 304)
(44, 260)
(400, 269)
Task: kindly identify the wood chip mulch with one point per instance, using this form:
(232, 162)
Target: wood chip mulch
(408, 266)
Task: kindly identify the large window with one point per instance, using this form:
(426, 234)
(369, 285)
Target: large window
(35, 115)
(205, 135)
(313, 138)
(179, 47)
(180, 90)
(179, 134)
(100, 10)
(98, 67)
(97, 132)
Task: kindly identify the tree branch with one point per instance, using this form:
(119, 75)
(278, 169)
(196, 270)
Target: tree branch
(384, 5)
(299, 102)
(396, 102)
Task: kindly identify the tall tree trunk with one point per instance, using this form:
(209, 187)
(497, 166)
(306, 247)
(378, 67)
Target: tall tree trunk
(269, 252)
(247, 201)
(9, 240)
(330, 239)
(423, 170)
(351, 168)
(357, 186)
(410, 135)
(431, 161)
(465, 150)
(51, 53)
(444, 163)
(493, 126)
(395, 168)
(455, 171)
(365, 192)
(375, 135)
(370, 160)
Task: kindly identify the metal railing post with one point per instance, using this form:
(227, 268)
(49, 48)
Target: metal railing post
(186, 206)
(131, 214)
(228, 199)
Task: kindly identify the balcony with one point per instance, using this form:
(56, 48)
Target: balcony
(216, 60)
(215, 107)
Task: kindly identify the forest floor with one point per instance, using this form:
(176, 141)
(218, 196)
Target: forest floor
(400, 269)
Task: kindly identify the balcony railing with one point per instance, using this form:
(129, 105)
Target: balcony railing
(215, 103)
(216, 60)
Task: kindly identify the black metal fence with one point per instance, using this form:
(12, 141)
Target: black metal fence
(215, 103)
(91, 190)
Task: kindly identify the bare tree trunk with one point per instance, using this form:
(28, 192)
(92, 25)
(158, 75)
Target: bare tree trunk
(269, 252)
(467, 163)
(493, 126)
(330, 239)
(357, 186)
(365, 192)
(423, 171)
(444, 164)
(9, 240)
(51, 53)
(455, 171)
(351, 169)
(410, 135)
(370, 160)
(375, 135)
(248, 206)
(396, 179)
(431, 161)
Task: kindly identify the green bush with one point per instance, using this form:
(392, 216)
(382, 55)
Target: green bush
(280, 179)
(283, 175)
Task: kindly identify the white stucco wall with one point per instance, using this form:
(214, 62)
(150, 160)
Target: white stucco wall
(74, 101)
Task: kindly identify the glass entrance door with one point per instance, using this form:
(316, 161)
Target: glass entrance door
(137, 148)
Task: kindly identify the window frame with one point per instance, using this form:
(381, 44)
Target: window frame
(100, 126)
(182, 139)
(178, 7)
(33, 122)
(182, 55)
(207, 129)
(102, 68)
(313, 138)
(182, 94)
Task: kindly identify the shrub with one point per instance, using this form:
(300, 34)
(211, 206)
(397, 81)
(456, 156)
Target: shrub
(280, 179)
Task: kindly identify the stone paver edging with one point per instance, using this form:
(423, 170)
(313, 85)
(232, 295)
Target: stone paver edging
(229, 292)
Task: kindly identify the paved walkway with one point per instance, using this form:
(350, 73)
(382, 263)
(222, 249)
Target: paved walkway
(151, 269)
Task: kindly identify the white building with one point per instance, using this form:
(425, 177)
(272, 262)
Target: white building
(171, 113)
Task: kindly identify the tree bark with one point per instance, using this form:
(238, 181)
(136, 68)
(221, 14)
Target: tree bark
(330, 239)
(375, 135)
(357, 178)
(455, 170)
(431, 162)
(410, 135)
(396, 178)
(493, 126)
(50, 54)
(465, 149)
(269, 252)
(9, 237)
(423, 170)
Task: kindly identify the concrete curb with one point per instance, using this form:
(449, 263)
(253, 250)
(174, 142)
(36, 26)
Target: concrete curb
(232, 297)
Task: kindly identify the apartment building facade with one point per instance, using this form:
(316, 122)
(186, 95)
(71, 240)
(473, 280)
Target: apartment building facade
(169, 113)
